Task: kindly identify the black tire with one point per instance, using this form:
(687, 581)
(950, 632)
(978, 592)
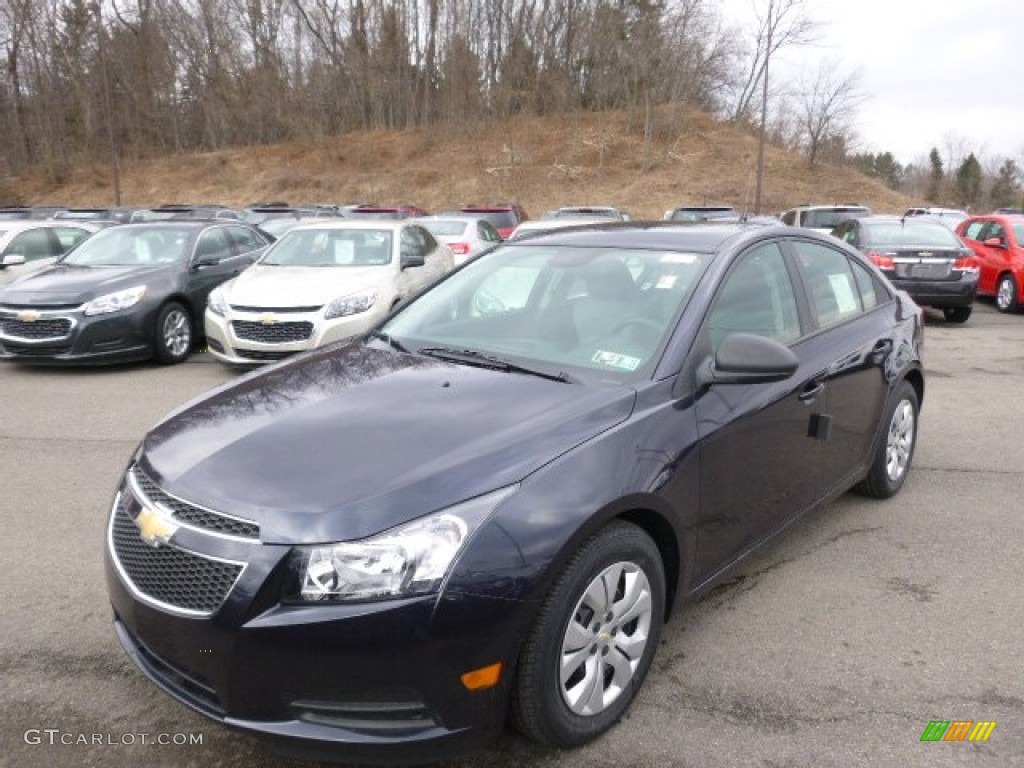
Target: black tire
(622, 555)
(1007, 293)
(956, 314)
(172, 336)
(884, 480)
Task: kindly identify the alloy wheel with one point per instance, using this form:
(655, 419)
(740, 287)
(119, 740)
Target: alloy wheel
(900, 441)
(176, 333)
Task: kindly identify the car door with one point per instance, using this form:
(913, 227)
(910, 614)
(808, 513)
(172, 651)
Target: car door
(974, 234)
(212, 262)
(755, 438)
(850, 349)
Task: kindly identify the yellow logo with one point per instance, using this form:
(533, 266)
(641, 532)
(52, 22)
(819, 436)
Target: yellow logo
(154, 527)
(28, 316)
(268, 319)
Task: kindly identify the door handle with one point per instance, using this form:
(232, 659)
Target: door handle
(811, 391)
(881, 350)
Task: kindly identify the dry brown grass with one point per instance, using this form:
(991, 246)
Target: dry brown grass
(540, 163)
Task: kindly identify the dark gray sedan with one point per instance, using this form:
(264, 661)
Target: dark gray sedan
(128, 293)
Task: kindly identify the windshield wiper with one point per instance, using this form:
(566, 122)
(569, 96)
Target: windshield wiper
(484, 360)
(388, 339)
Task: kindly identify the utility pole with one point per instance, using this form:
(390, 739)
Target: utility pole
(764, 113)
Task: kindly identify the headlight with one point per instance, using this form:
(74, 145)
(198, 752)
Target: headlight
(352, 304)
(112, 302)
(216, 303)
(410, 560)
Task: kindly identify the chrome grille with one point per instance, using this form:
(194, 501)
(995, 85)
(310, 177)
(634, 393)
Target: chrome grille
(44, 328)
(169, 575)
(272, 333)
(193, 515)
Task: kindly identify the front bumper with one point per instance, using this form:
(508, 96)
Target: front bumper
(374, 681)
(940, 293)
(226, 344)
(68, 337)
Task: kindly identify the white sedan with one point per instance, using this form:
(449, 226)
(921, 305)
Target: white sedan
(28, 246)
(318, 284)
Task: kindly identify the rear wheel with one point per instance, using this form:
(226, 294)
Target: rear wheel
(956, 314)
(594, 640)
(895, 450)
(173, 337)
(1006, 294)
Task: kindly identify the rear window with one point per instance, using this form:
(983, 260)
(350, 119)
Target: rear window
(826, 219)
(702, 214)
(445, 228)
(377, 213)
(910, 232)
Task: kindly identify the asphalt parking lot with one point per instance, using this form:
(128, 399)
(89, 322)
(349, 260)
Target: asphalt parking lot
(834, 647)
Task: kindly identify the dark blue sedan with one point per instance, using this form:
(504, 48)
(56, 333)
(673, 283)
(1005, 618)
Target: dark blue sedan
(487, 508)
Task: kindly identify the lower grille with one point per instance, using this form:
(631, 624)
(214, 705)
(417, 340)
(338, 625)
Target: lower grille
(46, 328)
(253, 354)
(188, 684)
(169, 575)
(397, 716)
(20, 351)
(272, 333)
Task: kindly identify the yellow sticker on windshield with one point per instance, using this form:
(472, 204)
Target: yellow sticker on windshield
(615, 360)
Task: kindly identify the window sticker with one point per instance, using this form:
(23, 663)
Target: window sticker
(843, 292)
(666, 282)
(615, 360)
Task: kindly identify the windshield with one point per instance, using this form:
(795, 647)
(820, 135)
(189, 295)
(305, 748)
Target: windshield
(586, 310)
(911, 231)
(278, 227)
(330, 248)
(127, 246)
(1018, 233)
(446, 228)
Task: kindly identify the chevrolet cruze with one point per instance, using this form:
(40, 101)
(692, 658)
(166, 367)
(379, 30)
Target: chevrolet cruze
(486, 508)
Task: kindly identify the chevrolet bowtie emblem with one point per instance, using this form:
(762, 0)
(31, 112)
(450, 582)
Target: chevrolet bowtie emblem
(268, 319)
(28, 316)
(155, 528)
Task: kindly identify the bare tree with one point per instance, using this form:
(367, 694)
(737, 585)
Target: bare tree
(827, 100)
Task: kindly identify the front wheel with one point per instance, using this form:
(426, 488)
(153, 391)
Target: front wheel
(173, 336)
(895, 450)
(593, 641)
(956, 314)
(1006, 294)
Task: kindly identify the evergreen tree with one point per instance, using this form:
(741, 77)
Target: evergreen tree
(936, 177)
(968, 182)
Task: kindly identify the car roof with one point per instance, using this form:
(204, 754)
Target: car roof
(329, 223)
(669, 236)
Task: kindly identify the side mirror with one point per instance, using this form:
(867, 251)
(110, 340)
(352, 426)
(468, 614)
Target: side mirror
(411, 259)
(12, 260)
(995, 242)
(744, 358)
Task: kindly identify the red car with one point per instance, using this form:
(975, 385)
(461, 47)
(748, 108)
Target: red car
(998, 245)
(504, 217)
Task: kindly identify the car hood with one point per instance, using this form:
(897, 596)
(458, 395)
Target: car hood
(72, 284)
(265, 286)
(346, 442)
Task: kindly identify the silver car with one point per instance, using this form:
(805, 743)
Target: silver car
(27, 246)
(465, 235)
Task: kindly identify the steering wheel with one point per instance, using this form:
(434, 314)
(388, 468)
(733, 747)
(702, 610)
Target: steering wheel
(638, 322)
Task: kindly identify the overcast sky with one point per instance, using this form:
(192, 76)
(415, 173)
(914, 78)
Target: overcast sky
(934, 72)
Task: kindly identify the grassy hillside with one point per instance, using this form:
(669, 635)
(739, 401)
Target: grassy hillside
(540, 163)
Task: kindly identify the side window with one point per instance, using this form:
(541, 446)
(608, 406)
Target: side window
(487, 232)
(834, 293)
(995, 229)
(789, 217)
(847, 233)
(871, 293)
(426, 240)
(69, 237)
(974, 230)
(33, 244)
(213, 244)
(757, 297)
(245, 240)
